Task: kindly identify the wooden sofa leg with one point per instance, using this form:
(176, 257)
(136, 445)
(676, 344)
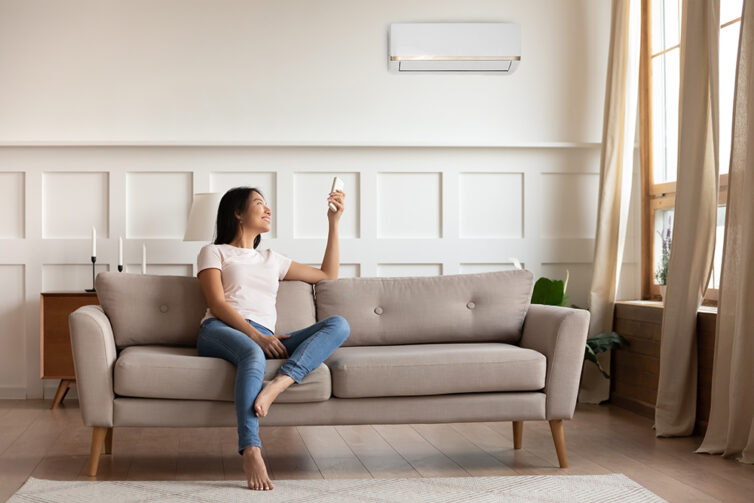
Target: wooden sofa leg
(518, 434)
(98, 440)
(109, 441)
(558, 436)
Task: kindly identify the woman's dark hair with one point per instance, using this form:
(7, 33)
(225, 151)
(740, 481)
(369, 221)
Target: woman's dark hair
(234, 200)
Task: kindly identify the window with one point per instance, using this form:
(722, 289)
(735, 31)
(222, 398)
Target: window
(658, 101)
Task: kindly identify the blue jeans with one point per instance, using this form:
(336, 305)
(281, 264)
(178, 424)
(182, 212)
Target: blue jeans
(307, 349)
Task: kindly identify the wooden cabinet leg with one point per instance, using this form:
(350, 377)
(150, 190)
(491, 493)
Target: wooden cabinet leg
(98, 440)
(558, 436)
(109, 441)
(518, 434)
(63, 387)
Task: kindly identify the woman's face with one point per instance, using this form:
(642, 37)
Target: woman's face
(258, 215)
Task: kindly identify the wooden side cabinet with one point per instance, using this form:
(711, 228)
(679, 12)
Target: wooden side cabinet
(55, 355)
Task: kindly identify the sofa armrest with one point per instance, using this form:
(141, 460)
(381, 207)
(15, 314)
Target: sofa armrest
(560, 334)
(94, 356)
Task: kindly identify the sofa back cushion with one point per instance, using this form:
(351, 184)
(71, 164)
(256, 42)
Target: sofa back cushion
(156, 309)
(488, 306)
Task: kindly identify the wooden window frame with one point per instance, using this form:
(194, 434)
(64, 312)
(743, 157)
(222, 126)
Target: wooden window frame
(657, 196)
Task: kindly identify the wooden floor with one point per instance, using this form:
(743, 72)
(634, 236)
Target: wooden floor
(54, 444)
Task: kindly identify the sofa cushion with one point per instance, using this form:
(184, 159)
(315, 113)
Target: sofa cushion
(156, 309)
(434, 369)
(480, 307)
(179, 372)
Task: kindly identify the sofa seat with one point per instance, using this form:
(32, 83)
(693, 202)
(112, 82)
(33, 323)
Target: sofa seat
(157, 371)
(434, 369)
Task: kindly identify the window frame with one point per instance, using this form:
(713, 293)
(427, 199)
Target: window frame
(657, 196)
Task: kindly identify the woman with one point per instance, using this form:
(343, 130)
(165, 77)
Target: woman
(240, 286)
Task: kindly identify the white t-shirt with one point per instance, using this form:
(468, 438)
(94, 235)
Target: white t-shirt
(250, 279)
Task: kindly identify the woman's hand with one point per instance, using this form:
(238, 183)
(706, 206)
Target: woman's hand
(272, 346)
(337, 199)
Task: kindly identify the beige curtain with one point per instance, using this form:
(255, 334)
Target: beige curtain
(731, 424)
(694, 223)
(616, 165)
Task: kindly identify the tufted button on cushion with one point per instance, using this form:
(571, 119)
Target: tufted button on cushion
(164, 308)
(470, 304)
(378, 310)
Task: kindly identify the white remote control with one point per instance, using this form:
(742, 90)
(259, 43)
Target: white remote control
(337, 184)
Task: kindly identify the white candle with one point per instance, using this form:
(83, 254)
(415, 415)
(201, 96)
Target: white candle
(94, 242)
(144, 258)
(120, 250)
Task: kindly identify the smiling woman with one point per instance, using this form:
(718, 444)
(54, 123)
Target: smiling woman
(240, 285)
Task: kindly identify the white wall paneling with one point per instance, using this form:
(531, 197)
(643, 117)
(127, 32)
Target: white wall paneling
(410, 211)
(569, 204)
(310, 192)
(474, 268)
(69, 277)
(396, 270)
(11, 205)
(73, 202)
(157, 204)
(410, 205)
(12, 332)
(491, 205)
(163, 269)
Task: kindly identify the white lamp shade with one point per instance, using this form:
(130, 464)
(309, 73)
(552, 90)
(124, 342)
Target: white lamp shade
(202, 217)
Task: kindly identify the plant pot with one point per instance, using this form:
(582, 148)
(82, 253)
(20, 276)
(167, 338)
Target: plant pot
(663, 288)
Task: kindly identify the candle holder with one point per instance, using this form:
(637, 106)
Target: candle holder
(120, 268)
(94, 259)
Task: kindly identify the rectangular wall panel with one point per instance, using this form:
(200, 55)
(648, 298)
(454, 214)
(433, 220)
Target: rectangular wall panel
(12, 326)
(569, 205)
(73, 203)
(476, 268)
(393, 270)
(491, 205)
(161, 269)
(158, 204)
(69, 277)
(409, 205)
(310, 192)
(12, 201)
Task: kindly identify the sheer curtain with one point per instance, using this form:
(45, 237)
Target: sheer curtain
(616, 165)
(730, 431)
(695, 219)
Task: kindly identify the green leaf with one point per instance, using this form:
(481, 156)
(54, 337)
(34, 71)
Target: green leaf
(592, 357)
(604, 341)
(548, 292)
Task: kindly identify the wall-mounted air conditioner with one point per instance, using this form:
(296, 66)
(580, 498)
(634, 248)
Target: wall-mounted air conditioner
(455, 47)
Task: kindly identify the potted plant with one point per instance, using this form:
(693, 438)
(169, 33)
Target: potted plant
(661, 275)
(552, 292)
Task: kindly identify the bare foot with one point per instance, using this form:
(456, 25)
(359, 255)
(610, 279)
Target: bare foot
(269, 392)
(255, 469)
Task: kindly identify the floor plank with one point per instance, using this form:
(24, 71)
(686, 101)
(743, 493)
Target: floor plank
(287, 453)
(333, 456)
(375, 453)
(426, 459)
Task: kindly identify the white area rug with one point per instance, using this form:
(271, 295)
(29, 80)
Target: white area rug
(528, 488)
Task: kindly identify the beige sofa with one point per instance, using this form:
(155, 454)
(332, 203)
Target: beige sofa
(454, 348)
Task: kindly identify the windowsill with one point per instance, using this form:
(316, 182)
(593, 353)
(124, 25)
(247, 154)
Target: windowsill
(656, 304)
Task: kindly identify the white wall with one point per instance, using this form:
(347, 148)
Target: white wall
(114, 112)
